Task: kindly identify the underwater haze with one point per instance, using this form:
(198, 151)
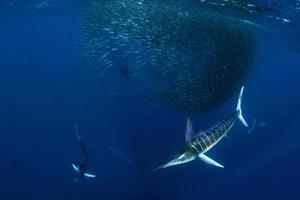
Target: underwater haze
(108, 86)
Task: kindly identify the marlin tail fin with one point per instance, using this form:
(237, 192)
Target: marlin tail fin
(75, 167)
(89, 175)
(239, 109)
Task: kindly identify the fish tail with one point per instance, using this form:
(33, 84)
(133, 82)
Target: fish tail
(239, 109)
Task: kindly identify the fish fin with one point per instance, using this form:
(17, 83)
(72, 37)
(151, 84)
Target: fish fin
(199, 133)
(209, 160)
(239, 109)
(189, 130)
(75, 167)
(89, 175)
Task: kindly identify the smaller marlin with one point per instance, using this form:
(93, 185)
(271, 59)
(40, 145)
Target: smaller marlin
(81, 167)
(199, 143)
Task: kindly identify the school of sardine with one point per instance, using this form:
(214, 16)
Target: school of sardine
(187, 57)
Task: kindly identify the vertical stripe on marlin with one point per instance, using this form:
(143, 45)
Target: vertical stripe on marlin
(199, 144)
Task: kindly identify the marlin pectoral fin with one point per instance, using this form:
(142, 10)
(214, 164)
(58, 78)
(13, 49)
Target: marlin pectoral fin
(89, 175)
(210, 161)
(75, 167)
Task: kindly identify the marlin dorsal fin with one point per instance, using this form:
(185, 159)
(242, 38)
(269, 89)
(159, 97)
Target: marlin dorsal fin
(189, 130)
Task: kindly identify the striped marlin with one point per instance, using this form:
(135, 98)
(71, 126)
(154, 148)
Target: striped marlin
(199, 143)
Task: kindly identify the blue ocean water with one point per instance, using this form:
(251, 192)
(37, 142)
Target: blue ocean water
(46, 87)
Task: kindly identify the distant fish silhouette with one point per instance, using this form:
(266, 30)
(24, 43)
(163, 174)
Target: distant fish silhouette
(120, 154)
(124, 70)
(260, 124)
(253, 126)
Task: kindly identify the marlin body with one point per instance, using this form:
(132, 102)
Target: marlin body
(81, 167)
(197, 144)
